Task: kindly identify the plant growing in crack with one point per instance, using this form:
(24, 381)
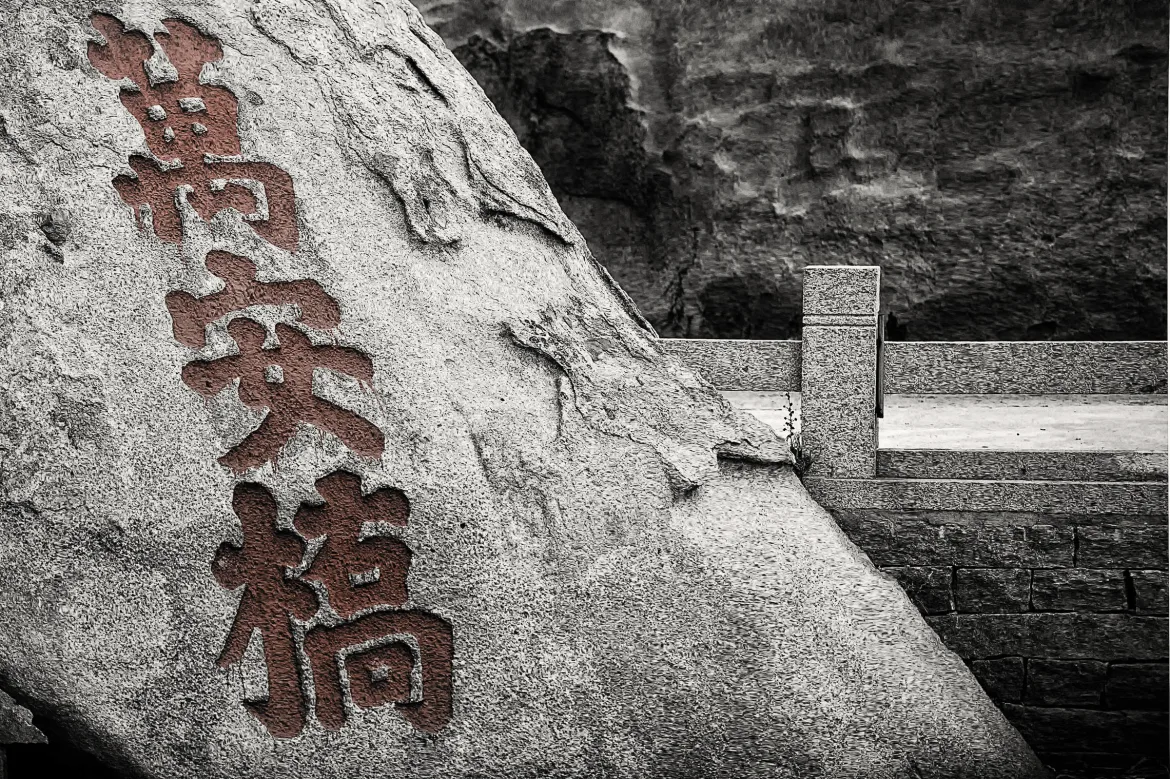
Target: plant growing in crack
(790, 430)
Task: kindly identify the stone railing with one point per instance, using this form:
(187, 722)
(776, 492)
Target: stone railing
(1046, 571)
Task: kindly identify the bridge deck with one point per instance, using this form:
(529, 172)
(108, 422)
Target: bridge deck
(1000, 422)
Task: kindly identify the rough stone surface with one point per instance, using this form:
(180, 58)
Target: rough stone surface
(838, 371)
(1028, 368)
(1003, 677)
(1005, 163)
(1054, 636)
(992, 590)
(1065, 682)
(1138, 686)
(1093, 668)
(987, 496)
(929, 588)
(1078, 589)
(1142, 732)
(1098, 765)
(587, 564)
(955, 538)
(1149, 591)
(16, 725)
(1031, 465)
(1113, 546)
(838, 381)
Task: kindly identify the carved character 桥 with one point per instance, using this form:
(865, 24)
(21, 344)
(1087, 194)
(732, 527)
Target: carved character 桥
(390, 654)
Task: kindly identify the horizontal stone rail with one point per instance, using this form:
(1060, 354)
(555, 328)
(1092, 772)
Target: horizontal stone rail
(1025, 368)
(749, 366)
(1046, 571)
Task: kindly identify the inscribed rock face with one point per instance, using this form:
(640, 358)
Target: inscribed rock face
(329, 451)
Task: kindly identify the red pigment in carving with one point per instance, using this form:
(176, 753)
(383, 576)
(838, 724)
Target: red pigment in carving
(288, 397)
(191, 315)
(269, 597)
(359, 573)
(187, 49)
(325, 646)
(380, 675)
(157, 188)
(183, 120)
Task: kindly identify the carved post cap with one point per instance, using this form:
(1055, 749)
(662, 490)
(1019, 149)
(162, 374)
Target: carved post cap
(841, 291)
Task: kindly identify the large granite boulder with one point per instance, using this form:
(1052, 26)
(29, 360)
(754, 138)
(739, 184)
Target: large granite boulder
(329, 451)
(1003, 161)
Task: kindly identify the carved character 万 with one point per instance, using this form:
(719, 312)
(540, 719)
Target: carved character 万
(192, 132)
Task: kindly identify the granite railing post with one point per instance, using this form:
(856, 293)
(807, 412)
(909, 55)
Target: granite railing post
(839, 370)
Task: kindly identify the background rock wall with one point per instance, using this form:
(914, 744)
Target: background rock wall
(1003, 161)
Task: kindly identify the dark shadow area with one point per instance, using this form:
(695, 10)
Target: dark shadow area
(40, 761)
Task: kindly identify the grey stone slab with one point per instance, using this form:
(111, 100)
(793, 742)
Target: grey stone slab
(1138, 686)
(1053, 636)
(1119, 546)
(1065, 682)
(1079, 589)
(1002, 678)
(1018, 465)
(1026, 368)
(991, 590)
(747, 366)
(991, 496)
(1097, 765)
(929, 588)
(1149, 591)
(959, 539)
(1002, 518)
(841, 290)
(840, 320)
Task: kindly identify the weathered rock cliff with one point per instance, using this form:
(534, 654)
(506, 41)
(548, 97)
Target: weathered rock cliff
(1003, 161)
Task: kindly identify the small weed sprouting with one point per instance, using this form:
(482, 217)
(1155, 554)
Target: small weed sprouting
(802, 460)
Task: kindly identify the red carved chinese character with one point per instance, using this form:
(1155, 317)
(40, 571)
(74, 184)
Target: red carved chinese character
(269, 598)
(358, 573)
(189, 125)
(181, 118)
(281, 380)
(191, 315)
(379, 648)
(381, 675)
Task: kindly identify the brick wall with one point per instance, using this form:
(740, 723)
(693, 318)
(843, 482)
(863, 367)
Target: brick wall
(1062, 618)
